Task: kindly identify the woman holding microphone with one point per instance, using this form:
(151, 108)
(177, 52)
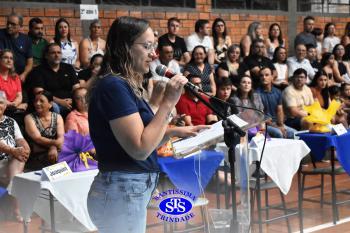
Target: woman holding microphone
(124, 130)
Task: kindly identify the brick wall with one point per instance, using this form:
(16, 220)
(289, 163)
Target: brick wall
(237, 23)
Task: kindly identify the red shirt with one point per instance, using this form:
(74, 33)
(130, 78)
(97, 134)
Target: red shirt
(197, 110)
(11, 86)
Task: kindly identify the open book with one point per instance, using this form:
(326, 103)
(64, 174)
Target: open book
(204, 139)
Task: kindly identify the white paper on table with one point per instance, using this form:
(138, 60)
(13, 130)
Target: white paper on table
(205, 137)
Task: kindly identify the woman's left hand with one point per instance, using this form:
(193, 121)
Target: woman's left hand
(188, 131)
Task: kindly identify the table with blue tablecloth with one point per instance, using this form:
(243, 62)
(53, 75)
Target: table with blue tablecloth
(193, 173)
(319, 143)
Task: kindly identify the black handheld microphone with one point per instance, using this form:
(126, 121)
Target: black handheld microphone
(164, 71)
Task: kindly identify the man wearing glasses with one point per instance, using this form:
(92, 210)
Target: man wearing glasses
(20, 44)
(166, 57)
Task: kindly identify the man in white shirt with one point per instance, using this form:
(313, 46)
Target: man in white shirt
(300, 61)
(166, 57)
(201, 37)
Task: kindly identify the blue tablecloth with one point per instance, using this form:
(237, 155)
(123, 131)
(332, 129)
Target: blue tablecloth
(183, 172)
(320, 143)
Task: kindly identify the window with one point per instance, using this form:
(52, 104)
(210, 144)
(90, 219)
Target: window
(280, 5)
(322, 6)
(162, 3)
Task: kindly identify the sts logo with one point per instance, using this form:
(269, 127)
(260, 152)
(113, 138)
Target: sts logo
(175, 205)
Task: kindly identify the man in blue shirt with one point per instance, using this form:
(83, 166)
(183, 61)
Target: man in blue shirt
(20, 44)
(272, 101)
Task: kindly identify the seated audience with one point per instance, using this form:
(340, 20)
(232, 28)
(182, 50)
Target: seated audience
(327, 64)
(341, 69)
(69, 47)
(343, 111)
(274, 40)
(199, 67)
(45, 130)
(345, 98)
(345, 40)
(224, 90)
(318, 33)
(10, 82)
(329, 38)
(20, 44)
(221, 41)
(299, 61)
(230, 68)
(92, 45)
(166, 57)
(255, 31)
(201, 37)
(306, 37)
(14, 151)
(272, 100)
(77, 119)
(320, 92)
(245, 95)
(311, 55)
(196, 113)
(36, 33)
(178, 43)
(85, 76)
(256, 60)
(56, 77)
(280, 63)
(295, 97)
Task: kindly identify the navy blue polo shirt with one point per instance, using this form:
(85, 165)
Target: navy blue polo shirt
(270, 101)
(113, 98)
(20, 46)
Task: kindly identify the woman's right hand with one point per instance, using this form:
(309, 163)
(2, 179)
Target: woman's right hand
(173, 89)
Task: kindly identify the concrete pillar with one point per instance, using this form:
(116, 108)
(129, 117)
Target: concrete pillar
(292, 24)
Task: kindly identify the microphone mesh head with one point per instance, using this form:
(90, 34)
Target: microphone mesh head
(161, 70)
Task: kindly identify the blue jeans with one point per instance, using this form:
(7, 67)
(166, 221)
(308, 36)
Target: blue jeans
(117, 201)
(275, 132)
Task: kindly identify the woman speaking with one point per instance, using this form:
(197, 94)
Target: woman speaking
(124, 130)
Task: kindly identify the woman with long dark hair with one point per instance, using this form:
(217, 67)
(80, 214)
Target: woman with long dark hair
(69, 47)
(246, 96)
(280, 62)
(221, 40)
(124, 130)
(341, 69)
(274, 40)
(319, 88)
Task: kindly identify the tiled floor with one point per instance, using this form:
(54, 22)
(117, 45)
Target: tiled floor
(314, 215)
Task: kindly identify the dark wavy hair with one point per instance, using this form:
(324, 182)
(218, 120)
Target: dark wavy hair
(47, 94)
(192, 55)
(324, 91)
(57, 37)
(280, 37)
(325, 58)
(325, 32)
(118, 57)
(274, 59)
(215, 35)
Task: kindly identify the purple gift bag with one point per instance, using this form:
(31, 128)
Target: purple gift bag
(75, 152)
